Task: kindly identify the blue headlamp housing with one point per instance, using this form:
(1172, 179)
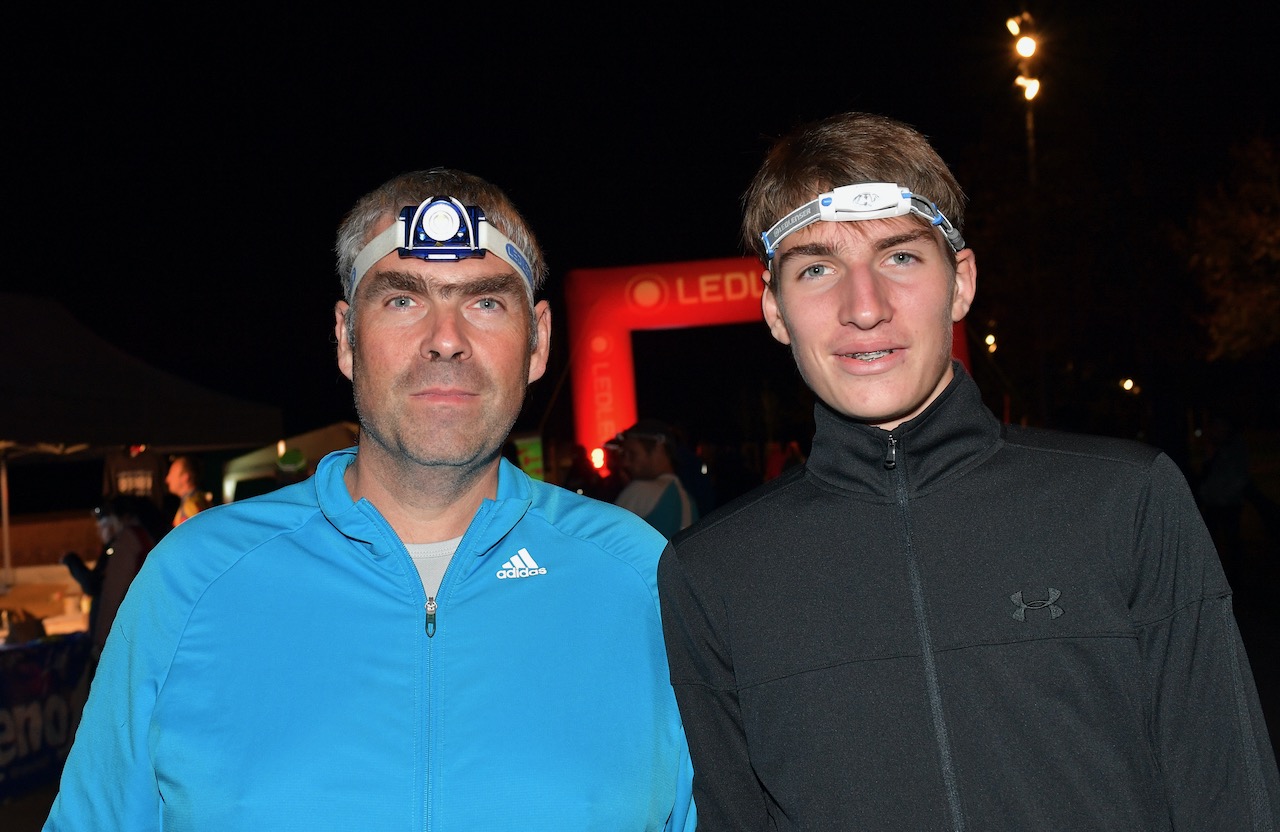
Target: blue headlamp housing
(864, 201)
(442, 228)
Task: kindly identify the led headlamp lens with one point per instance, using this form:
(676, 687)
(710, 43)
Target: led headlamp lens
(441, 221)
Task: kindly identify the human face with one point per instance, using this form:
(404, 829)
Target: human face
(640, 462)
(441, 357)
(177, 480)
(108, 527)
(867, 309)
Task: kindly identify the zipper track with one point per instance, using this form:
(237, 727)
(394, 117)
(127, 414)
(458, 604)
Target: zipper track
(926, 646)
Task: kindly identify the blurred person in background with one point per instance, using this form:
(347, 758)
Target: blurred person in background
(183, 481)
(125, 525)
(654, 490)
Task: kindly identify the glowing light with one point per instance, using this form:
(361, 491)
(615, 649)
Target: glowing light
(989, 340)
(1025, 46)
(280, 448)
(597, 458)
(1013, 26)
(1030, 86)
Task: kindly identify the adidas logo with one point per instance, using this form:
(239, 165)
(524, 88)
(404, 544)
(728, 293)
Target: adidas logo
(521, 566)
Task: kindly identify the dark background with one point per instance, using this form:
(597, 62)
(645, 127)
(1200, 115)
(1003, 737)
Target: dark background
(177, 177)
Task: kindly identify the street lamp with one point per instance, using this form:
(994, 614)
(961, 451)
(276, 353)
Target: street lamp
(1025, 43)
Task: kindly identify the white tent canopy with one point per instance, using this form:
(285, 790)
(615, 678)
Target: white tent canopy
(264, 463)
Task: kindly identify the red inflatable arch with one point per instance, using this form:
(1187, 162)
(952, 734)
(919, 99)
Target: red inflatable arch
(604, 306)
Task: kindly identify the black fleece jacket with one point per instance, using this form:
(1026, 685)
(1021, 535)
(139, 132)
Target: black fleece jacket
(961, 625)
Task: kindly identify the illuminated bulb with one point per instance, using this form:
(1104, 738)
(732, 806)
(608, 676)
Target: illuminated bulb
(990, 339)
(1026, 46)
(1012, 25)
(1030, 86)
(597, 458)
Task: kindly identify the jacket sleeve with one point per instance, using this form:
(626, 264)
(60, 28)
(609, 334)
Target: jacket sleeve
(108, 782)
(1206, 722)
(725, 788)
(684, 814)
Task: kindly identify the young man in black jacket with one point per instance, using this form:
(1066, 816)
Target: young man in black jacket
(940, 621)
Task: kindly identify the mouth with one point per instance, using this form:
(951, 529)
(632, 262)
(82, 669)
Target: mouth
(439, 394)
(868, 356)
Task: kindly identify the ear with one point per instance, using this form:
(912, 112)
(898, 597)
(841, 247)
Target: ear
(345, 357)
(772, 314)
(542, 324)
(966, 284)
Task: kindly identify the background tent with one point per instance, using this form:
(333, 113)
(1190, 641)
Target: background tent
(260, 471)
(64, 390)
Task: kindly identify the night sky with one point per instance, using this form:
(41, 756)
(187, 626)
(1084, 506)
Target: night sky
(177, 177)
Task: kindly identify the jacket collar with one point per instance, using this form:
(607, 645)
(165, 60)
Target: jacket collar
(360, 520)
(955, 432)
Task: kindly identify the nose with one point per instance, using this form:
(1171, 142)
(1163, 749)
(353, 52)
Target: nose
(864, 299)
(445, 338)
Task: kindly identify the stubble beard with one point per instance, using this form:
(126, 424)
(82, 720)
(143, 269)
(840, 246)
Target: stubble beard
(454, 442)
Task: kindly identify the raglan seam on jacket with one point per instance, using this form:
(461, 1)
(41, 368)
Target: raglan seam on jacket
(1194, 602)
(222, 573)
(1130, 459)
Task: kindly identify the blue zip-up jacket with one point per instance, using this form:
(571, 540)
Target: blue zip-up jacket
(275, 667)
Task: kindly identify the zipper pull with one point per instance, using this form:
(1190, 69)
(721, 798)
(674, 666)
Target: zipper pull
(891, 460)
(431, 617)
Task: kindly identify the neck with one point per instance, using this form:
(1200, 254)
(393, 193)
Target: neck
(423, 503)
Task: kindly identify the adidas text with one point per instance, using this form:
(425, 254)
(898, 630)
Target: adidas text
(521, 566)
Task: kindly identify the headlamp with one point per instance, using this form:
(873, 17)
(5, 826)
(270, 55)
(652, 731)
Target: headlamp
(865, 201)
(442, 228)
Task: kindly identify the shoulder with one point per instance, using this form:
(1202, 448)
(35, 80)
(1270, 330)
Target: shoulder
(216, 538)
(752, 517)
(595, 525)
(1085, 448)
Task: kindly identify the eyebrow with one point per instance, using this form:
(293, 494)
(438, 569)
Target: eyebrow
(896, 240)
(504, 283)
(806, 250)
(819, 249)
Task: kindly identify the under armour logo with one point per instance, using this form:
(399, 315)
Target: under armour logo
(1020, 614)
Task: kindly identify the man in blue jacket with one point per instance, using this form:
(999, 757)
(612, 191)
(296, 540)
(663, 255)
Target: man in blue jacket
(419, 636)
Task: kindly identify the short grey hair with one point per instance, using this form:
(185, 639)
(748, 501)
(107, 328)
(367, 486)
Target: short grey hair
(357, 228)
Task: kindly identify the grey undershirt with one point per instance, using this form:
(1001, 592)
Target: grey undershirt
(432, 559)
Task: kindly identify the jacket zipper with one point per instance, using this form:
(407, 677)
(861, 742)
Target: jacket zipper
(926, 645)
(431, 617)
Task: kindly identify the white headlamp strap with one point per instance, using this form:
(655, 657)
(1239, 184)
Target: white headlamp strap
(865, 201)
(398, 236)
